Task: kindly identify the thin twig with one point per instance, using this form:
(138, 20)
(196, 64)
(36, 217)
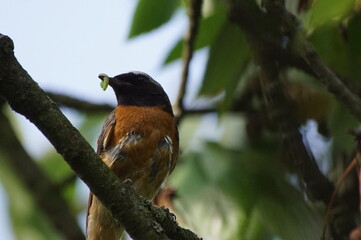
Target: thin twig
(79, 104)
(350, 167)
(85, 106)
(189, 42)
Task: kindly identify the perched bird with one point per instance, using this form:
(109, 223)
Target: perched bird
(139, 141)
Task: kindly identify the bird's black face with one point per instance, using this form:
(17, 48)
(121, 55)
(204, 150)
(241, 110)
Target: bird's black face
(139, 89)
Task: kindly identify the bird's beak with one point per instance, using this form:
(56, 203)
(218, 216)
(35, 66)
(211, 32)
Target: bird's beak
(102, 76)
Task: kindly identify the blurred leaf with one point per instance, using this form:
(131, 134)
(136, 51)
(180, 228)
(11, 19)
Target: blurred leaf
(215, 218)
(244, 175)
(340, 122)
(27, 220)
(208, 29)
(323, 11)
(354, 47)
(188, 127)
(55, 167)
(290, 217)
(149, 15)
(233, 131)
(346, 61)
(192, 178)
(255, 229)
(255, 182)
(326, 40)
(228, 57)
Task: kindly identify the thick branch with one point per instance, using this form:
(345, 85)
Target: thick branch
(141, 219)
(272, 32)
(44, 192)
(266, 43)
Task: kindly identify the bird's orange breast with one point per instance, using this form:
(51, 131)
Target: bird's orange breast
(143, 161)
(151, 122)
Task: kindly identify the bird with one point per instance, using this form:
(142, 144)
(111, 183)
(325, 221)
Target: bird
(139, 142)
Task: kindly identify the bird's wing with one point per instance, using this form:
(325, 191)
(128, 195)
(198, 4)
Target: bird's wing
(106, 134)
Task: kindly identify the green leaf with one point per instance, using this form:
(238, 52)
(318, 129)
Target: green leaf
(208, 29)
(323, 11)
(149, 15)
(228, 57)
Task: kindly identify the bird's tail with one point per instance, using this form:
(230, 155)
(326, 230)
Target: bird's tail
(100, 223)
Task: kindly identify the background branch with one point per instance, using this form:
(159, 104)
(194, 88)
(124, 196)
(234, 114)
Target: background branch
(141, 219)
(347, 97)
(41, 188)
(81, 105)
(297, 157)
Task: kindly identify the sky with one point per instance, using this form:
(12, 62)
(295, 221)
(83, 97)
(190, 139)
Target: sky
(64, 45)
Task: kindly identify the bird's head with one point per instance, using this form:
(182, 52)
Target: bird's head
(138, 89)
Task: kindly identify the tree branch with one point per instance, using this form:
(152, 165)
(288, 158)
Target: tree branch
(141, 219)
(347, 97)
(189, 41)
